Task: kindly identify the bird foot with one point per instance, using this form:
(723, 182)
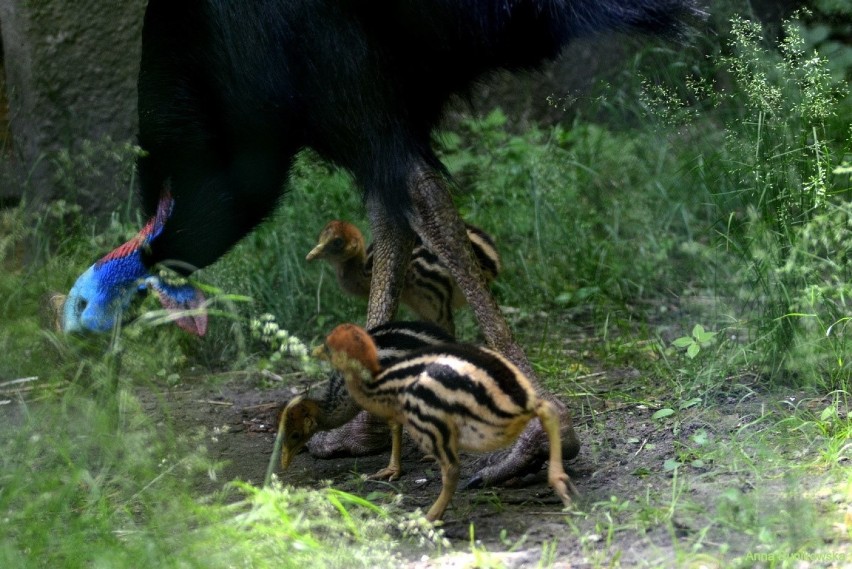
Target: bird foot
(364, 435)
(504, 468)
(526, 456)
(389, 473)
(564, 487)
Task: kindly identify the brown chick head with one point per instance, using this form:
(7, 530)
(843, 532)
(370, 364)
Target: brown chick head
(338, 241)
(299, 422)
(350, 348)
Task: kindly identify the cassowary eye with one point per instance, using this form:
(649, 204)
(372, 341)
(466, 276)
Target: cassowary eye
(81, 305)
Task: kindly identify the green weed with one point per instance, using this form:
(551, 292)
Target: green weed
(780, 157)
(692, 344)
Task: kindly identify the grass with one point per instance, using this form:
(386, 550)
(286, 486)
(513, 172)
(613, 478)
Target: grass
(705, 260)
(723, 483)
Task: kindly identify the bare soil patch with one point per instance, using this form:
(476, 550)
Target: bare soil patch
(635, 508)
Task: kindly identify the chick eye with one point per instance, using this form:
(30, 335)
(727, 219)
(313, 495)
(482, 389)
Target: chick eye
(296, 437)
(337, 243)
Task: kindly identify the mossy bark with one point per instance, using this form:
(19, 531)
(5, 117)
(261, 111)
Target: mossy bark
(71, 72)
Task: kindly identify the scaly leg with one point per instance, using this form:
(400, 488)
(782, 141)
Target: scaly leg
(437, 223)
(363, 435)
(392, 247)
(394, 468)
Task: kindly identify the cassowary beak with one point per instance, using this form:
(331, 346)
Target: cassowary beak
(53, 311)
(286, 454)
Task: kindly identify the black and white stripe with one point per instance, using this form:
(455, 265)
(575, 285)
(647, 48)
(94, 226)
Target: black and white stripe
(394, 340)
(451, 396)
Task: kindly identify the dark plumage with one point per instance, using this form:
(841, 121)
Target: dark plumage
(230, 91)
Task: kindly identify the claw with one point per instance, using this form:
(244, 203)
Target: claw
(563, 485)
(390, 474)
(475, 482)
(571, 488)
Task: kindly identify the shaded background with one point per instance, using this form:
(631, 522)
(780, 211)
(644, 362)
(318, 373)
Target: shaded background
(68, 93)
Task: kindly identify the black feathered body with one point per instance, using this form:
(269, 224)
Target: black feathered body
(230, 91)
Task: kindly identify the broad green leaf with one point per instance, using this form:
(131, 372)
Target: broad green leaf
(705, 337)
(663, 413)
(690, 403)
(693, 350)
(700, 438)
(564, 298)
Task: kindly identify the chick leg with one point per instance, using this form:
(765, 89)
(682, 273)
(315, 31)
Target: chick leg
(436, 221)
(556, 475)
(527, 454)
(449, 482)
(394, 468)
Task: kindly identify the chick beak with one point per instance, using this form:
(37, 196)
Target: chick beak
(321, 352)
(286, 458)
(315, 252)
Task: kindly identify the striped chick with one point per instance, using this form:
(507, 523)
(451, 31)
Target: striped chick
(428, 290)
(449, 398)
(302, 417)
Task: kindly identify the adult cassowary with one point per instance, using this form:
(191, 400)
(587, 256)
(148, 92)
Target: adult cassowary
(230, 91)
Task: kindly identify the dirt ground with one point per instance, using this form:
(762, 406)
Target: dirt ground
(622, 460)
